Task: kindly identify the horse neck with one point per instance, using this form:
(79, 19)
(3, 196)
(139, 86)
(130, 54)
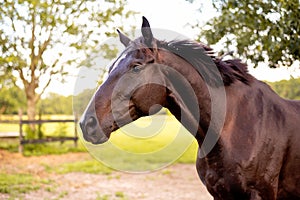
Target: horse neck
(189, 99)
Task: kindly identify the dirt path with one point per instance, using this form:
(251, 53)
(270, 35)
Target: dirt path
(178, 181)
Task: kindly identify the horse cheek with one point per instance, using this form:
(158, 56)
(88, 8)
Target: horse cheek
(150, 99)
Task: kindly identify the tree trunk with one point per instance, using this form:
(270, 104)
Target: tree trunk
(31, 116)
(31, 109)
(31, 104)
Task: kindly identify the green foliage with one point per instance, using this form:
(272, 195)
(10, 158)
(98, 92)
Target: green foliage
(111, 51)
(30, 133)
(36, 133)
(61, 130)
(260, 30)
(56, 104)
(12, 99)
(81, 100)
(289, 89)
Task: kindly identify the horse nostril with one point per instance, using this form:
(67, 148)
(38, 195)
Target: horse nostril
(91, 122)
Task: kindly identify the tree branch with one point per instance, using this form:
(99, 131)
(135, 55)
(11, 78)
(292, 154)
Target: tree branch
(22, 77)
(42, 48)
(38, 96)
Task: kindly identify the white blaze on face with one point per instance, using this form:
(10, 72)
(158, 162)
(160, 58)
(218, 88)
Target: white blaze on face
(117, 61)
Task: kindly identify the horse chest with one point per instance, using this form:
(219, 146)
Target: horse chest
(222, 182)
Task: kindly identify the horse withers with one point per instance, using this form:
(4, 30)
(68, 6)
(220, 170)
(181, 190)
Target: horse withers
(256, 152)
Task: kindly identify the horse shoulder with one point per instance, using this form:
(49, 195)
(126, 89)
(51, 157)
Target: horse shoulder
(254, 140)
(289, 183)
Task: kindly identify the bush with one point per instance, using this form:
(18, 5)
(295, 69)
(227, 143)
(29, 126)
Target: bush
(38, 133)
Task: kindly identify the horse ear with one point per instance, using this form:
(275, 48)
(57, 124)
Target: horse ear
(123, 38)
(146, 31)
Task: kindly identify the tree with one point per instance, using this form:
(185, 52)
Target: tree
(43, 40)
(11, 99)
(262, 31)
(81, 100)
(56, 104)
(287, 88)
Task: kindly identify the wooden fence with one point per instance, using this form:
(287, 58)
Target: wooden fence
(23, 140)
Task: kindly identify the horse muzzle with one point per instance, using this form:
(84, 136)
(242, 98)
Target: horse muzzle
(92, 131)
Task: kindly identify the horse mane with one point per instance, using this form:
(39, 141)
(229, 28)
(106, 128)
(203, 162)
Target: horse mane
(213, 69)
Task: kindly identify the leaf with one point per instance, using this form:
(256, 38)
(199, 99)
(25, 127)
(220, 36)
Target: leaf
(268, 28)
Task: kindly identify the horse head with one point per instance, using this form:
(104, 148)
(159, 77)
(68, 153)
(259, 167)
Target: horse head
(135, 87)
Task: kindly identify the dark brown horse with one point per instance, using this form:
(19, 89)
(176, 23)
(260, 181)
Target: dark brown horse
(255, 134)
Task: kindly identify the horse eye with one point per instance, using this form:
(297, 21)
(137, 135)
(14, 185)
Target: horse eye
(136, 68)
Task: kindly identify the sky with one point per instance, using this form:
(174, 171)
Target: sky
(177, 16)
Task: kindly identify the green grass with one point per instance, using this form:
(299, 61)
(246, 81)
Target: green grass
(119, 194)
(52, 148)
(102, 197)
(18, 183)
(9, 144)
(63, 194)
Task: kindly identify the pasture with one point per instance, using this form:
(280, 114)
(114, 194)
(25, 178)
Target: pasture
(71, 172)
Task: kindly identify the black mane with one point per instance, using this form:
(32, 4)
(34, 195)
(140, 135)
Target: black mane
(204, 60)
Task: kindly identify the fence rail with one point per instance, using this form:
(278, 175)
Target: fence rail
(46, 121)
(23, 141)
(9, 121)
(48, 139)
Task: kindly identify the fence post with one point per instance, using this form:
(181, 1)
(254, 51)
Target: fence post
(75, 130)
(21, 148)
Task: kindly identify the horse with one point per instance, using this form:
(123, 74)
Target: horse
(256, 140)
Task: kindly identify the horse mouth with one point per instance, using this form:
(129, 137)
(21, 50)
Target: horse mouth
(93, 134)
(97, 140)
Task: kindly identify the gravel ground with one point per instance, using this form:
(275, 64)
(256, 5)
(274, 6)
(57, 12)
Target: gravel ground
(179, 181)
